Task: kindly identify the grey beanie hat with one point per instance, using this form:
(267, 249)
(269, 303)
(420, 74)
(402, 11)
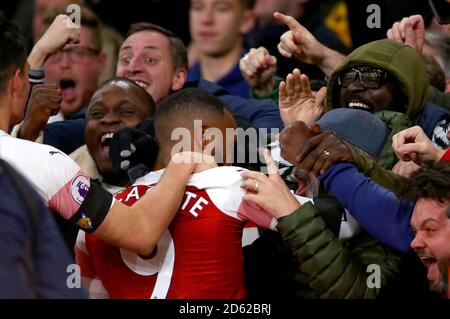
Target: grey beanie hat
(360, 128)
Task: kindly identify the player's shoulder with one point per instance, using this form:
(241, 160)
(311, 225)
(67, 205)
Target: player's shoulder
(150, 178)
(223, 175)
(23, 150)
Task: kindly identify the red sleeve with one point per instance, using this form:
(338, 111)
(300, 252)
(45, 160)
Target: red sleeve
(446, 156)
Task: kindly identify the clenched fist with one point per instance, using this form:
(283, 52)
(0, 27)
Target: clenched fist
(258, 69)
(44, 102)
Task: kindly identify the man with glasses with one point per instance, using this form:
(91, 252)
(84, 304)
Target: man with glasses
(398, 83)
(385, 75)
(386, 94)
(71, 78)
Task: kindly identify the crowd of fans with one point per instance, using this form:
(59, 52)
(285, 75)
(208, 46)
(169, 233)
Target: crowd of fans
(267, 159)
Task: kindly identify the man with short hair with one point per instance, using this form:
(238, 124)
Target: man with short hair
(200, 254)
(117, 104)
(217, 30)
(76, 68)
(430, 221)
(420, 212)
(156, 59)
(61, 183)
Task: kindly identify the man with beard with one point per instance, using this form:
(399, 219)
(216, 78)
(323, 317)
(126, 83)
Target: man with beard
(418, 217)
(430, 221)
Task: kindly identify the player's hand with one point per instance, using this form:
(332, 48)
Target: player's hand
(258, 69)
(412, 144)
(45, 100)
(297, 102)
(269, 192)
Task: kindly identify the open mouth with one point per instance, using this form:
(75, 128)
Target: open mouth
(360, 106)
(105, 141)
(431, 264)
(356, 102)
(68, 89)
(142, 84)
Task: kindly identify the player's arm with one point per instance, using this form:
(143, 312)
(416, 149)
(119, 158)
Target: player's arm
(138, 228)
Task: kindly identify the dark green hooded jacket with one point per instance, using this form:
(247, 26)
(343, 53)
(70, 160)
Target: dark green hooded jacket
(399, 60)
(403, 64)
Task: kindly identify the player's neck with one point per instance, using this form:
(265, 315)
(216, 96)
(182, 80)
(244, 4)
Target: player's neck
(162, 160)
(5, 114)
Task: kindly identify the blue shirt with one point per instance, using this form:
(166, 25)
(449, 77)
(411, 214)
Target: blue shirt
(233, 82)
(379, 211)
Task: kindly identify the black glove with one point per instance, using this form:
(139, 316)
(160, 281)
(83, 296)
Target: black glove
(133, 151)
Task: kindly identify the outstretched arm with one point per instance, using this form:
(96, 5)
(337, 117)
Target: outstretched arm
(45, 99)
(140, 226)
(299, 43)
(377, 210)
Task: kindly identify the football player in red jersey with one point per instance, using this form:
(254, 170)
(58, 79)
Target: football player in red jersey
(200, 254)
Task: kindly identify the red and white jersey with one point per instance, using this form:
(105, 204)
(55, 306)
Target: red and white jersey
(56, 177)
(199, 256)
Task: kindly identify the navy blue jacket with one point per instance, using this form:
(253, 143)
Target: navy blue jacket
(67, 135)
(261, 113)
(378, 210)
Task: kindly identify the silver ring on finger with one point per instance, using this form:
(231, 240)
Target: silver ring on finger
(257, 186)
